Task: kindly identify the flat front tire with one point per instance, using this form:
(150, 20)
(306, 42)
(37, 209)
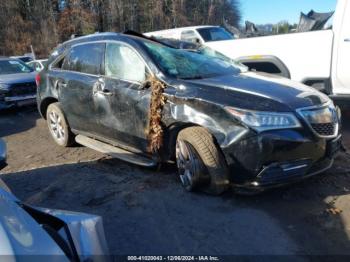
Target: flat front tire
(201, 164)
(58, 126)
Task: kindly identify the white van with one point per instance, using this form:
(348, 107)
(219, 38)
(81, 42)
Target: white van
(320, 59)
(195, 34)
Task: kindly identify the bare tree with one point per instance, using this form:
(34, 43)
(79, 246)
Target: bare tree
(45, 23)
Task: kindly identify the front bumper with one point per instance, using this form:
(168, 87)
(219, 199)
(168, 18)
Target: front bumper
(275, 176)
(277, 158)
(18, 101)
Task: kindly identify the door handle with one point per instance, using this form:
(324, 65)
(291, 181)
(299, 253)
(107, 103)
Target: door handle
(347, 40)
(106, 92)
(99, 88)
(60, 84)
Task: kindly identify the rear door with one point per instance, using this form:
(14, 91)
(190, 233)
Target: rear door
(124, 106)
(81, 69)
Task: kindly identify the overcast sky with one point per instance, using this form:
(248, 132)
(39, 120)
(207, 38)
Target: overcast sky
(273, 11)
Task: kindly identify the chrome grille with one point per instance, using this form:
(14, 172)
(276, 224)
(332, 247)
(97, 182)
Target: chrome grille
(323, 120)
(22, 89)
(327, 129)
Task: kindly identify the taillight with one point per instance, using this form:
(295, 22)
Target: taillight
(37, 80)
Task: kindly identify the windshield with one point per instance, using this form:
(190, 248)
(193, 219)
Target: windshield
(205, 50)
(13, 67)
(188, 65)
(210, 34)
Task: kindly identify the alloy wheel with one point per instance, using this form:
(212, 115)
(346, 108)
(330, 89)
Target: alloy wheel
(188, 164)
(56, 127)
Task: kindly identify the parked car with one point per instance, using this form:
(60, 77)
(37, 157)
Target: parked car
(318, 58)
(30, 233)
(24, 58)
(17, 83)
(38, 65)
(222, 126)
(195, 34)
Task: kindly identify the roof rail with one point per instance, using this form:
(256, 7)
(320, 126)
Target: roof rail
(73, 36)
(152, 38)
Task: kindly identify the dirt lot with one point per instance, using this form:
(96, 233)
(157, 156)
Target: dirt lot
(147, 212)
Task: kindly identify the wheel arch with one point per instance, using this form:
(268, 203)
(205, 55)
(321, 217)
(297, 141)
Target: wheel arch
(45, 104)
(323, 85)
(266, 63)
(171, 134)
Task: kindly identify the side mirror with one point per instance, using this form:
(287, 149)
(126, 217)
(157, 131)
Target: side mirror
(197, 41)
(2, 154)
(145, 85)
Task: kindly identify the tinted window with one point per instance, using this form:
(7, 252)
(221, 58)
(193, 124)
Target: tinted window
(13, 67)
(59, 64)
(25, 59)
(122, 62)
(214, 34)
(86, 58)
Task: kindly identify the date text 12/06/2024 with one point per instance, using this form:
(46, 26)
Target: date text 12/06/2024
(173, 258)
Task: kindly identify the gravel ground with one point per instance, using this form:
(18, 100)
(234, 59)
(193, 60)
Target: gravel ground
(147, 212)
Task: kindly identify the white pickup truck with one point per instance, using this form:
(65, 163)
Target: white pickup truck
(318, 58)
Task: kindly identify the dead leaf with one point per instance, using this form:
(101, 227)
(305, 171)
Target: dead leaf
(334, 211)
(158, 100)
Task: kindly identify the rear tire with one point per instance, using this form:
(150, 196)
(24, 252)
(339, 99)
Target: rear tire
(200, 162)
(58, 126)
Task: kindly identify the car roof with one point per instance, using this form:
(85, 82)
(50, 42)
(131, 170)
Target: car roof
(5, 58)
(107, 36)
(128, 35)
(183, 28)
(20, 56)
(38, 60)
(90, 37)
(195, 27)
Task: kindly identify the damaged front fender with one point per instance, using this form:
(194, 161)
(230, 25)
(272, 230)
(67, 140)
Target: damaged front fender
(226, 130)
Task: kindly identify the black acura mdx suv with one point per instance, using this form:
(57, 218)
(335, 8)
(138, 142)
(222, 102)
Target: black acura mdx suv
(148, 103)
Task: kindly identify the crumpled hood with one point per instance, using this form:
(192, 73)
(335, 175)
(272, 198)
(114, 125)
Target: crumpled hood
(258, 91)
(17, 78)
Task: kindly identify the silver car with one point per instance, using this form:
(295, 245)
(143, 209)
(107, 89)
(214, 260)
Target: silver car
(30, 233)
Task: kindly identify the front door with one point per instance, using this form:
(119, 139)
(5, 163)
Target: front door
(124, 112)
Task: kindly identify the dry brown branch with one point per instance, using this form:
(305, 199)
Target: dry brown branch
(158, 100)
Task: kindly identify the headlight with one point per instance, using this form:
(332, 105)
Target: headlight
(262, 121)
(338, 113)
(322, 115)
